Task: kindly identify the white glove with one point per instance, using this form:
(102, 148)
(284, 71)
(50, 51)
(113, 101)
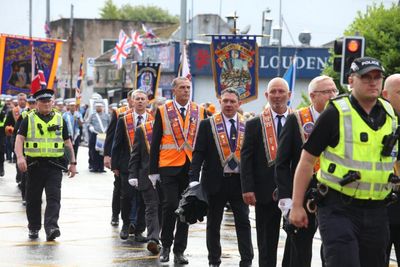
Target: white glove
(133, 182)
(192, 184)
(91, 129)
(285, 205)
(154, 178)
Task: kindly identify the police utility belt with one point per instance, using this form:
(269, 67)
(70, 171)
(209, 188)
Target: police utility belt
(56, 162)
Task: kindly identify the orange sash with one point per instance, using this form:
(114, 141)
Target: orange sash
(130, 126)
(221, 139)
(269, 135)
(186, 135)
(148, 133)
(16, 113)
(306, 122)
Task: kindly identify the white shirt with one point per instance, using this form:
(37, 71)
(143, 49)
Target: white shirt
(283, 119)
(314, 113)
(228, 132)
(178, 106)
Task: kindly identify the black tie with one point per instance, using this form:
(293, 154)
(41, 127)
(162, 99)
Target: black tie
(279, 128)
(139, 120)
(232, 142)
(183, 113)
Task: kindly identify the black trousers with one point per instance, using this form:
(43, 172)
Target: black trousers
(2, 148)
(43, 176)
(129, 193)
(172, 188)
(96, 161)
(395, 241)
(230, 191)
(116, 197)
(151, 199)
(268, 218)
(354, 233)
(298, 246)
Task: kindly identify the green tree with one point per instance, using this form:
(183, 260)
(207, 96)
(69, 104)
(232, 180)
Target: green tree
(380, 27)
(136, 13)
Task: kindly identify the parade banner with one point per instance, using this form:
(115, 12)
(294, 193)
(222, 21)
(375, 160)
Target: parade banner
(16, 62)
(234, 60)
(147, 76)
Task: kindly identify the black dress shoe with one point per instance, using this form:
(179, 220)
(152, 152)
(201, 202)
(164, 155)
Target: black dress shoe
(180, 258)
(153, 247)
(131, 229)
(114, 220)
(33, 234)
(53, 234)
(213, 265)
(124, 234)
(140, 238)
(1, 173)
(164, 254)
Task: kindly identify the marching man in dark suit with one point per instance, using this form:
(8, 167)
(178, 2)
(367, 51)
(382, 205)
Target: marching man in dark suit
(217, 150)
(174, 135)
(257, 168)
(298, 248)
(121, 151)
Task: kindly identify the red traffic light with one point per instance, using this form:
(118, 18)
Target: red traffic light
(353, 45)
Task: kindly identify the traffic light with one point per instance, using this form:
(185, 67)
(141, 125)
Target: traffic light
(350, 48)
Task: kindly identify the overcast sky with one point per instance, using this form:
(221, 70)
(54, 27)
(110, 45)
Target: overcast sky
(325, 19)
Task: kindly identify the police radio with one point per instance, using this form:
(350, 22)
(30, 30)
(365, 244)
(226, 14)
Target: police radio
(389, 142)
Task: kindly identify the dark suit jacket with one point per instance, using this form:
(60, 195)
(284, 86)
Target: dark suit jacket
(120, 148)
(255, 174)
(155, 150)
(289, 151)
(288, 156)
(110, 134)
(139, 161)
(206, 158)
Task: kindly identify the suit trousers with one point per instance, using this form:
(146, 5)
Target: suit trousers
(230, 191)
(130, 201)
(43, 176)
(97, 160)
(353, 234)
(268, 218)
(395, 241)
(151, 198)
(298, 246)
(172, 188)
(116, 197)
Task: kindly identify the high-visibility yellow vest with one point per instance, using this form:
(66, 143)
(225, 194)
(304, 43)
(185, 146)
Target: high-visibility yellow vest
(359, 149)
(40, 142)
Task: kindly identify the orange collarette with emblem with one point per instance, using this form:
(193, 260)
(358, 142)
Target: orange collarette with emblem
(179, 136)
(306, 122)
(221, 139)
(129, 120)
(269, 135)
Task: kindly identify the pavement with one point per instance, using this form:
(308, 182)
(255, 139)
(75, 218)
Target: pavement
(88, 239)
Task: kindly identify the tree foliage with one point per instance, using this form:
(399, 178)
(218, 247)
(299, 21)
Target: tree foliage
(136, 13)
(380, 27)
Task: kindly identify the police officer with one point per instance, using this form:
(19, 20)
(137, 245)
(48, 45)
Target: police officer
(3, 115)
(42, 137)
(355, 166)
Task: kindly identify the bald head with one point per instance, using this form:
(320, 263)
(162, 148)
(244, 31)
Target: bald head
(278, 95)
(391, 91)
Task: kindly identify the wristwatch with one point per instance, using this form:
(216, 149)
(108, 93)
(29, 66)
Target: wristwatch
(73, 163)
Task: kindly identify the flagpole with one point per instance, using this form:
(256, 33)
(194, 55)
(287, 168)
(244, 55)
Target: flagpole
(71, 47)
(183, 24)
(280, 39)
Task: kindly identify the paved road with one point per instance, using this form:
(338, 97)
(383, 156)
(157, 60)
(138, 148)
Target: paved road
(88, 239)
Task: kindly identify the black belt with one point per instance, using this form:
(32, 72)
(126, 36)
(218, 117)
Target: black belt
(230, 174)
(334, 196)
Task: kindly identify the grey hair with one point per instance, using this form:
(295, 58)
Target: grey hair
(175, 81)
(21, 95)
(314, 82)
